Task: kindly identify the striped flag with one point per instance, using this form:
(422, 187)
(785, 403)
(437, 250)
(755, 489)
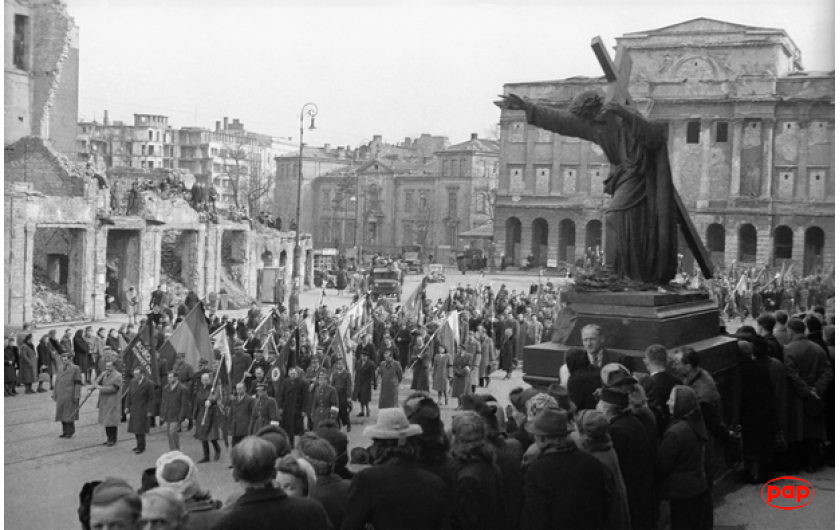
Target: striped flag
(192, 338)
(450, 332)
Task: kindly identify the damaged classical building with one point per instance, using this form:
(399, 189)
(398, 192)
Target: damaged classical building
(60, 225)
(751, 142)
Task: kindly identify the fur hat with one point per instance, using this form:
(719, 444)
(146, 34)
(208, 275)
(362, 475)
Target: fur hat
(392, 424)
(177, 471)
(615, 396)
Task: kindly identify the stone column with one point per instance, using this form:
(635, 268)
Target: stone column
(212, 258)
(764, 243)
(706, 153)
(95, 250)
(526, 241)
(580, 237)
(735, 167)
(768, 129)
(675, 149)
(798, 251)
(21, 246)
(150, 242)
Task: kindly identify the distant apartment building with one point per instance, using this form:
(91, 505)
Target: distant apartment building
(751, 146)
(230, 157)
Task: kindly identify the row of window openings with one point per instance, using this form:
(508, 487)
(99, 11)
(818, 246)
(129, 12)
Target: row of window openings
(692, 133)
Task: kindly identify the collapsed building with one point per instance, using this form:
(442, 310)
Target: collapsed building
(59, 224)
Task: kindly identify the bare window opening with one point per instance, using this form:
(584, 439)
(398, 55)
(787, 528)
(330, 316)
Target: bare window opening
(151, 135)
(19, 47)
(754, 125)
(787, 126)
(722, 132)
(692, 135)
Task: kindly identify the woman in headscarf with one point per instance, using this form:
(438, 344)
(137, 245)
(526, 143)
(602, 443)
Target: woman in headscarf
(595, 439)
(82, 353)
(681, 478)
(28, 364)
(584, 379)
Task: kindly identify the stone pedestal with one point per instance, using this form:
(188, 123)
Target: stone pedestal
(631, 322)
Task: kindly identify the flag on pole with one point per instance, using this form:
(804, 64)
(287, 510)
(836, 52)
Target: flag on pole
(192, 338)
(413, 306)
(742, 287)
(140, 353)
(220, 342)
(311, 334)
(287, 358)
(266, 325)
(450, 332)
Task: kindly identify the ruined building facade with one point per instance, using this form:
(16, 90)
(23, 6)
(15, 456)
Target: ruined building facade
(751, 145)
(58, 227)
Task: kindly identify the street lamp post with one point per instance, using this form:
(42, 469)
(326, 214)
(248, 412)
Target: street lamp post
(311, 110)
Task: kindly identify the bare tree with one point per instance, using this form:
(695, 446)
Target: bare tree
(234, 173)
(260, 184)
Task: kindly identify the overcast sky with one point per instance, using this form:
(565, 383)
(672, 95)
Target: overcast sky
(373, 67)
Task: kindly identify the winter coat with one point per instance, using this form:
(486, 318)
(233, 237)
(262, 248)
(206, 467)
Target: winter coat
(322, 400)
(565, 488)
(67, 390)
(391, 375)
(109, 399)
(293, 400)
(333, 493)
(263, 413)
(619, 518)
(479, 496)
(461, 369)
(630, 441)
(240, 411)
(807, 369)
(440, 368)
(365, 381)
(139, 400)
(680, 466)
(206, 425)
(756, 415)
(174, 403)
(28, 364)
(378, 495)
(420, 372)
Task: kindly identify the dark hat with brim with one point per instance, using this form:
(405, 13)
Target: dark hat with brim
(615, 396)
(549, 422)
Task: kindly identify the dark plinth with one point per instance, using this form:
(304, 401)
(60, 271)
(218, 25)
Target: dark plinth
(631, 322)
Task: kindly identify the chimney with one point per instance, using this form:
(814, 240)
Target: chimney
(474, 136)
(105, 118)
(218, 126)
(340, 152)
(407, 142)
(225, 121)
(377, 138)
(327, 148)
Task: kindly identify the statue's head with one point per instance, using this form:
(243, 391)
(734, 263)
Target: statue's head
(587, 105)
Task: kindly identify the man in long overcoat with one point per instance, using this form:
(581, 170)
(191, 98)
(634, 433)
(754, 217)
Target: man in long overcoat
(68, 388)
(391, 375)
(265, 409)
(174, 409)
(365, 382)
(208, 418)
(109, 383)
(139, 402)
(809, 374)
(240, 407)
(293, 401)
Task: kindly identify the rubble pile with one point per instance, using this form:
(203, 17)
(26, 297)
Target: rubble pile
(49, 301)
(237, 297)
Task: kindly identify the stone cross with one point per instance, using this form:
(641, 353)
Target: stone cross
(618, 83)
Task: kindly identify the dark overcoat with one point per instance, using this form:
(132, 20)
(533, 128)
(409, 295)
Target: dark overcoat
(28, 364)
(807, 369)
(479, 497)
(240, 411)
(631, 444)
(565, 489)
(263, 413)
(207, 425)
(293, 400)
(365, 381)
(174, 404)
(139, 400)
(379, 496)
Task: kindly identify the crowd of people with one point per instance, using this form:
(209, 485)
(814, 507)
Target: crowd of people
(611, 444)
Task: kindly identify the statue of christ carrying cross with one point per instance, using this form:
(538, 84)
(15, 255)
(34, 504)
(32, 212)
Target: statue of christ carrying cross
(642, 218)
